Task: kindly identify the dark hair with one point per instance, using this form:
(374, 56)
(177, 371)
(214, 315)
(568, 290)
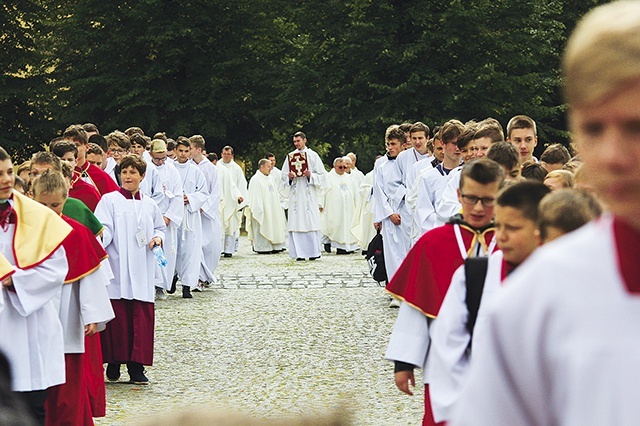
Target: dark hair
(566, 209)
(420, 127)
(100, 141)
(119, 138)
(396, 133)
(451, 130)
(171, 144)
(533, 171)
(62, 147)
(301, 134)
(505, 154)
(95, 149)
(555, 154)
(90, 127)
(4, 155)
(491, 128)
(521, 122)
(466, 137)
(133, 130)
(44, 157)
(227, 148)
(525, 197)
(138, 139)
(483, 171)
(269, 155)
(212, 156)
(182, 141)
(132, 160)
(75, 133)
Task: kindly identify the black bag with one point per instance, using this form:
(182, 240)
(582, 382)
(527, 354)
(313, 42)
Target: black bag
(375, 259)
(475, 271)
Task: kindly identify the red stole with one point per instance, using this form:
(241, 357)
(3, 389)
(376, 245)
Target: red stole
(423, 278)
(627, 242)
(84, 252)
(102, 181)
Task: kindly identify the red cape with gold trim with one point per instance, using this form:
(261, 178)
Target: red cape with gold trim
(84, 192)
(39, 232)
(84, 252)
(102, 181)
(423, 278)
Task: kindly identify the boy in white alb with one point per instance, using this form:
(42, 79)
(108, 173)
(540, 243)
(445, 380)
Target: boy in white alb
(133, 226)
(563, 338)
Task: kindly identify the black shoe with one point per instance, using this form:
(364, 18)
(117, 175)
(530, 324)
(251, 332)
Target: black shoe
(327, 247)
(186, 292)
(300, 259)
(136, 373)
(341, 251)
(174, 283)
(314, 258)
(113, 371)
(227, 254)
(275, 251)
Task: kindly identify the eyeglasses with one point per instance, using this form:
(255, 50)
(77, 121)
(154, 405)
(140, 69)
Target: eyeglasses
(159, 160)
(472, 200)
(343, 167)
(118, 151)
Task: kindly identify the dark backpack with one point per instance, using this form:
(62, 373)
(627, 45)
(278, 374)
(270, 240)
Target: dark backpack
(475, 273)
(375, 259)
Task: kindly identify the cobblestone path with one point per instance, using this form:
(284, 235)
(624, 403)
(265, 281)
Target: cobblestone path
(274, 337)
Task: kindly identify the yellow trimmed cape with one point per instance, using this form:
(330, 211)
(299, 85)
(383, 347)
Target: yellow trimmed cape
(39, 232)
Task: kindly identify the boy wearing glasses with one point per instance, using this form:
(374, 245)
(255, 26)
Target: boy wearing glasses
(517, 236)
(424, 276)
(119, 146)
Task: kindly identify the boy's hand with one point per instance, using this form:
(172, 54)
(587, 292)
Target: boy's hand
(90, 329)
(155, 241)
(403, 379)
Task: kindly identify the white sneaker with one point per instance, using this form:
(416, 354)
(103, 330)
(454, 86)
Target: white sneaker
(395, 303)
(160, 294)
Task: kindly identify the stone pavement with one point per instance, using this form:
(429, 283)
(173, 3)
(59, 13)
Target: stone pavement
(274, 337)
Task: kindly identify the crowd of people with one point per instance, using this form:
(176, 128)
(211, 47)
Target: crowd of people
(96, 228)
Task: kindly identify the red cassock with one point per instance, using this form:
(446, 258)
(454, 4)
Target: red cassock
(70, 403)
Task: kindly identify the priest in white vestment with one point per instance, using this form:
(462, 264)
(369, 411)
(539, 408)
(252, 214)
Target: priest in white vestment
(338, 206)
(239, 181)
(304, 207)
(266, 225)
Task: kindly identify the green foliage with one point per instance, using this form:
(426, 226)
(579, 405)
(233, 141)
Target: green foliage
(249, 74)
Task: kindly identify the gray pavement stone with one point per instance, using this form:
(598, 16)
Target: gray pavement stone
(286, 339)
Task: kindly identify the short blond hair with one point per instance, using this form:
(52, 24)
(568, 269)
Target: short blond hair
(565, 177)
(603, 53)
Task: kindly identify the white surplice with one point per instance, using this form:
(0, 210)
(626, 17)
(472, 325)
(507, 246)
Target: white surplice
(194, 186)
(133, 265)
(561, 343)
(431, 183)
(83, 302)
(266, 224)
(229, 207)
(448, 204)
(32, 336)
(172, 207)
